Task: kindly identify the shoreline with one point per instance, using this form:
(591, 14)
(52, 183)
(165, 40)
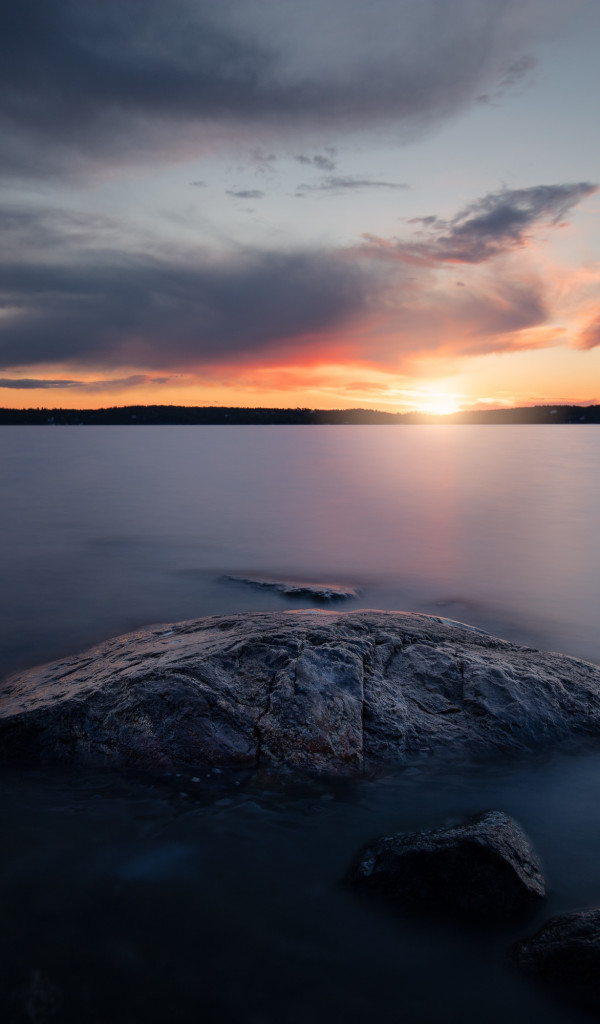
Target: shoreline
(173, 415)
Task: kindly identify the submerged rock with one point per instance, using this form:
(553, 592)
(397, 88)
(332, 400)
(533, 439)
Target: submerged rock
(296, 588)
(485, 870)
(565, 954)
(311, 689)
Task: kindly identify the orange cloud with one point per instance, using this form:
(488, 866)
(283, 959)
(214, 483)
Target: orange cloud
(589, 337)
(322, 327)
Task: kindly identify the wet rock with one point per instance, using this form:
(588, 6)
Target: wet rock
(325, 691)
(296, 588)
(565, 955)
(484, 870)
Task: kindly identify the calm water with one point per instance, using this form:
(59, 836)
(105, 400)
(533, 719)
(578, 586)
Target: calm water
(125, 900)
(103, 529)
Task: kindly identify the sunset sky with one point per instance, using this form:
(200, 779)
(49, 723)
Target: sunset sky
(389, 204)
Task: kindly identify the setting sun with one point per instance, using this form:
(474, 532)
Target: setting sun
(438, 403)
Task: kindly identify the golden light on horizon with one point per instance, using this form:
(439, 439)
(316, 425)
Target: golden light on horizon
(438, 403)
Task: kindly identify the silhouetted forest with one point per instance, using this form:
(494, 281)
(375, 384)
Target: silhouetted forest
(164, 415)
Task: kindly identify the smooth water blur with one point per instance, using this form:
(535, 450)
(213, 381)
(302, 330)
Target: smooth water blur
(103, 529)
(218, 896)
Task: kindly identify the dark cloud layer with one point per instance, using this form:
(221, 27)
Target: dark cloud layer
(84, 82)
(30, 383)
(28, 229)
(159, 315)
(497, 223)
(50, 383)
(145, 312)
(66, 302)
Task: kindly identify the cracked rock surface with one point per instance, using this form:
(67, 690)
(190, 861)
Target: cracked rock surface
(484, 870)
(324, 691)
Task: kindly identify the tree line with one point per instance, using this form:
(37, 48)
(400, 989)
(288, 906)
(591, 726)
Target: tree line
(167, 415)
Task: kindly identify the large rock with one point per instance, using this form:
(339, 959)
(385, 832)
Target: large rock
(565, 955)
(319, 690)
(484, 870)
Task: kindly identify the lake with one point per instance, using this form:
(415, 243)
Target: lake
(131, 899)
(104, 529)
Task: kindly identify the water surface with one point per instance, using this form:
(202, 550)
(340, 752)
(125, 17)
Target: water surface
(217, 897)
(103, 529)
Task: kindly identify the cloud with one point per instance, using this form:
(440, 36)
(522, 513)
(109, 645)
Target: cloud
(31, 229)
(259, 308)
(515, 75)
(497, 314)
(264, 162)
(147, 305)
(245, 193)
(366, 386)
(497, 223)
(338, 184)
(497, 311)
(323, 163)
(64, 303)
(27, 384)
(589, 337)
(50, 383)
(88, 84)
(135, 310)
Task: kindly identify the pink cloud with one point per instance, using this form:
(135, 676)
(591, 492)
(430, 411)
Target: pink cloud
(589, 337)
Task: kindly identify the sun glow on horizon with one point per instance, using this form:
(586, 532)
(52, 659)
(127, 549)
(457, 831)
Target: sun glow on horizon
(438, 403)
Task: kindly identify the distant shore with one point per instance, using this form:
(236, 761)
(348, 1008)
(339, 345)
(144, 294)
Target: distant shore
(170, 415)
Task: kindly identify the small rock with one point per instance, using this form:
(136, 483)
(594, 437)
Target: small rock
(483, 870)
(298, 588)
(565, 954)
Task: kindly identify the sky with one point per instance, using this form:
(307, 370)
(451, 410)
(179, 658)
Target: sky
(389, 204)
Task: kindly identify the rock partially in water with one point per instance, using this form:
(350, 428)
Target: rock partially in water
(298, 588)
(324, 691)
(485, 870)
(565, 955)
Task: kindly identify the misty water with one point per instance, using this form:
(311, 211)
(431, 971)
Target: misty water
(150, 898)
